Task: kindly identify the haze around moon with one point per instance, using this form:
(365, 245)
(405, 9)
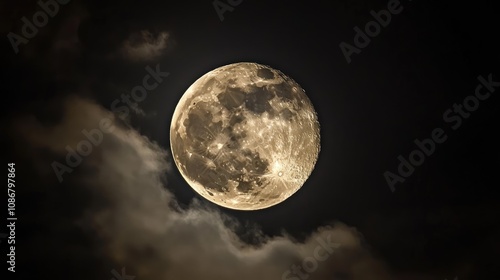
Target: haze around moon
(245, 136)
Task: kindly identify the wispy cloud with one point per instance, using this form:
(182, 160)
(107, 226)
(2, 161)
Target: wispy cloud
(145, 46)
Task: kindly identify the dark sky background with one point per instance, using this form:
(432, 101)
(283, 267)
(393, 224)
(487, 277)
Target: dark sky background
(440, 223)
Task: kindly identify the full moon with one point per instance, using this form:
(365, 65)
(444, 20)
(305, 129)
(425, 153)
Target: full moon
(245, 136)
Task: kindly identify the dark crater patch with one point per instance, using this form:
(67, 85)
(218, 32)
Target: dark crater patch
(255, 164)
(200, 128)
(286, 114)
(245, 187)
(265, 74)
(196, 128)
(231, 98)
(257, 101)
(234, 141)
(282, 90)
(249, 186)
(236, 118)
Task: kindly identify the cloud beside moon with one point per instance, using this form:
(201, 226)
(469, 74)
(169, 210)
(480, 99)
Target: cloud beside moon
(129, 219)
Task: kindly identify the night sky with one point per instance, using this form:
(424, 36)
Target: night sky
(125, 205)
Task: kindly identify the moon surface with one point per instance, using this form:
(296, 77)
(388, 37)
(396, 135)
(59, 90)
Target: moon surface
(245, 136)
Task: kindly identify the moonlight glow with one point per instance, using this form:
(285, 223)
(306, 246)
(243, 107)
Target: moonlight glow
(245, 136)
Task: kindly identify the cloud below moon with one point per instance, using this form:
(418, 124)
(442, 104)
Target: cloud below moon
(115, 211)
